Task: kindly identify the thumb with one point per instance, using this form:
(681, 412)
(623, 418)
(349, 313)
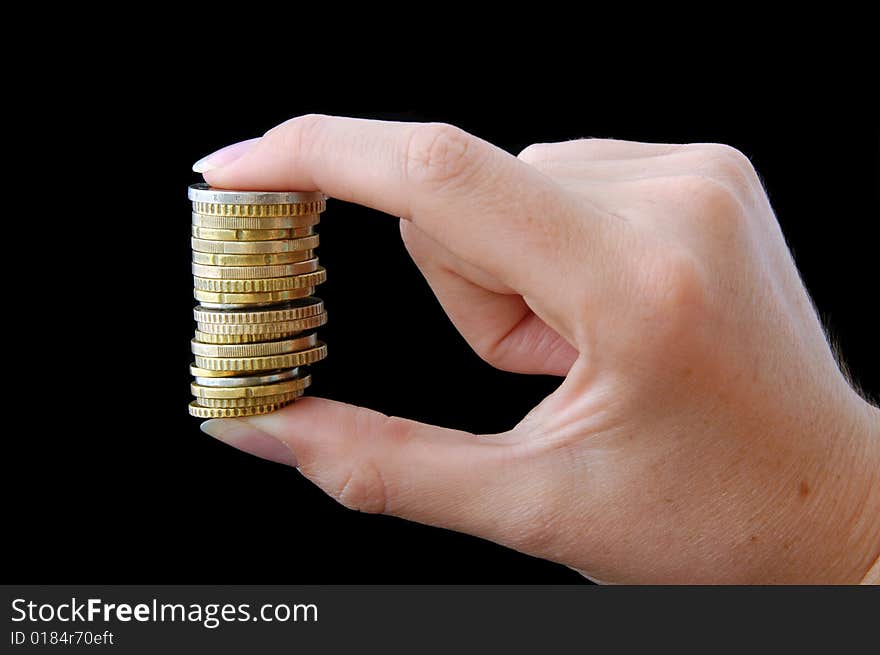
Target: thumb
(374, 463)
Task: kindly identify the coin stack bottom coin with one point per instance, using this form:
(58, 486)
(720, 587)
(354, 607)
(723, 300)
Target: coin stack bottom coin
(254, 272)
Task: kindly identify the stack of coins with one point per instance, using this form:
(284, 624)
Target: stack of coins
(254, 274)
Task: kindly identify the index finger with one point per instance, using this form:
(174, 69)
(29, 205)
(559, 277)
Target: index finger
(480, 202)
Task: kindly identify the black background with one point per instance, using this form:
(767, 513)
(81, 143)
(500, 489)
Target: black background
(111, 481)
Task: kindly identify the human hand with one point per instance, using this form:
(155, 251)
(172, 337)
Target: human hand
(703, 432)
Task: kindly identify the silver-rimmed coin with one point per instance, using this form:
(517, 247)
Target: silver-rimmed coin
(252, 381)
(202, 192)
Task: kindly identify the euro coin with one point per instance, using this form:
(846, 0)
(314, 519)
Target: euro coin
(250, 381)
(237, 300)
(207, 337)
(254, 349)
(197, 372)
(288, 312)
(275, 389)
(247, 364)
(250, 402)
(222, 259)
(254, 272)
(308, 264)
(251, 247)
(200, 411)
(264, 330)
(261, 285)
(211, 234)
(254, 223)
(208, 200)
(259, 211)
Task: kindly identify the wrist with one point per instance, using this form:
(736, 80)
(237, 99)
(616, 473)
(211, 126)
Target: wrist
(845, 514)
(872, 575)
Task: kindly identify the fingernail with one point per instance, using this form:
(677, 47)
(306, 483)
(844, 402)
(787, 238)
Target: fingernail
(223, 156)
(244, 436)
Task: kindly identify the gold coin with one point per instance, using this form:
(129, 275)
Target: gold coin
(224, 339)
(294, 310)
(261, 349)
(231, 412)
(251, 247)
(210, 234)
(245, 299)
(238, 235)
(250, 402)
(247, 364)
(222, 259)
(254, 223)
(273, 389)
(288, 209)
(261, 285)
(256, 272)
(197, 372)
(257, 331)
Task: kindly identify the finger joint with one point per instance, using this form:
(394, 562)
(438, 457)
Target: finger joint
(437, 155)
(363, 489)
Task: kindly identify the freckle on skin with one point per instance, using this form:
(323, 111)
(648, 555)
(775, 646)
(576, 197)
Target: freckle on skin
(803, 489)
(753, 538)
(786, 546)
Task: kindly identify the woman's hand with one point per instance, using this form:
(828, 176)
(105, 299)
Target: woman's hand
(703, 433)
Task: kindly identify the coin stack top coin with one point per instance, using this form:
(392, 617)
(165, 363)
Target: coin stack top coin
(254, 273)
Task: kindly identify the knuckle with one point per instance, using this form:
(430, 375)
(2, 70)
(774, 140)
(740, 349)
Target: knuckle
(717, 207)
(729, 165)
(398, 431)
(730, 158)
(360, 484)
(670, 320)
(672, 317)
(679, 280)
(674, 293)
(363, 489)
(437, 154)
(715, 196)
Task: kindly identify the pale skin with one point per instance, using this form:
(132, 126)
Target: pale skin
(703, 432)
